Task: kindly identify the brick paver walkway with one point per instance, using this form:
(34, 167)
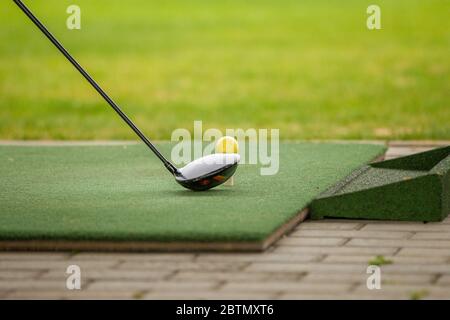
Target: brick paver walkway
(320, 259)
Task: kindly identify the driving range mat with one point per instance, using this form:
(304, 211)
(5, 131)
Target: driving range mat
(410, 188)
(121, 197)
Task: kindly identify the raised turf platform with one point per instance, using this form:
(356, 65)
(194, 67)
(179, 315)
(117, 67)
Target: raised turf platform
(411, 188)
(121, 198)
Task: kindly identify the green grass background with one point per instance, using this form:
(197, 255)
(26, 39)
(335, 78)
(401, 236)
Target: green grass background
(310, 68)
(123, 193)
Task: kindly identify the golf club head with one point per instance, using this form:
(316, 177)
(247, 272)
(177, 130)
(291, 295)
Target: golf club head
(208, 172)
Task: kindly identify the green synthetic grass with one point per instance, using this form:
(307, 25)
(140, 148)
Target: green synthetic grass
(412, 188)
(124, 193)
(310, 68)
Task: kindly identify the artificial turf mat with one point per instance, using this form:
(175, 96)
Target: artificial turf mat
(412, 188)
(123, 193)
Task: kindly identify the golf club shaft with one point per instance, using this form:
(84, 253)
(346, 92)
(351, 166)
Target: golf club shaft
(58, 45)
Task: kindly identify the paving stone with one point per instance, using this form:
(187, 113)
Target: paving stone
(57, 264)
(197, 266)
(336, 250)
(210, 295)
(352, 234)
(336, 296)
(177, 286)
(111, 274)
(444, 280)
(407, 226)
(327, 225)
(4, 293)
(306, 267)
(360, 295)
(310, 296)
(426, 252)
(236, 276)
(399, 243)
(395, 259)
(72, 294)
(19, 274)
(361, 278)
(430, 268)
(437, 295)
(275, 286)
(258, 257)
(33, 285)
(431, 236)
(299, 241)
(135, 257)
(408, 291)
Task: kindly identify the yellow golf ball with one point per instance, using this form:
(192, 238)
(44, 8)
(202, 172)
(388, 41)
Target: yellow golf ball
(227, 145)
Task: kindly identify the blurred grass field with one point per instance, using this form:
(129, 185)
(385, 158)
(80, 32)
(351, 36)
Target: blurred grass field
(310, 68)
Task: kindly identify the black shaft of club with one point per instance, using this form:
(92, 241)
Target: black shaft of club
(58, 45)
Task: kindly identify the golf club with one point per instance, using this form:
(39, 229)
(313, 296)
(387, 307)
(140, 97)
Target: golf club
(201, 174)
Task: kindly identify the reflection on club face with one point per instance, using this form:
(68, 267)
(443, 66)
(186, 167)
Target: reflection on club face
(208, 181)
(208, 172)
